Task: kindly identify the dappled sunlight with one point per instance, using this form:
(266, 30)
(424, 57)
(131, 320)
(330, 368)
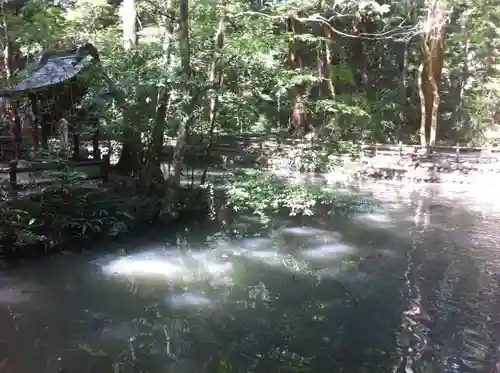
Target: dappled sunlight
(355, 277)
(189, 301)
(278, 260)
(171, 266)
(380, 219)
(13, 295)
(255, 243)
(386, 253)
(305, 231)
(325, 252)
(123, 331)
(221, 263)
(16, 291)
(309, 235)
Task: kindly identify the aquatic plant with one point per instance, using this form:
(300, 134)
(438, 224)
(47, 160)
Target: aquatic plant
(263, 193)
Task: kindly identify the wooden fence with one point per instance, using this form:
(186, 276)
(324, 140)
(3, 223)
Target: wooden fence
(20, 175)
(230, 146)
(457, 153)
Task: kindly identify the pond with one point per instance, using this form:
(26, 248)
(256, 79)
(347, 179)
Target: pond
(412, 286)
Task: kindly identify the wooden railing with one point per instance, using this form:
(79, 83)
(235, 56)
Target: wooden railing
(38, 174)
(231, 145)
(458, 153)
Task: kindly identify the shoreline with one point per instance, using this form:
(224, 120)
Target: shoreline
(142, 212)
(437, 169)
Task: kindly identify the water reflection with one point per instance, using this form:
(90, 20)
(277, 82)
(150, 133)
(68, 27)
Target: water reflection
(411, 287)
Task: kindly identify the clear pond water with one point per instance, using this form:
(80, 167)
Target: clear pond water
(413, 286)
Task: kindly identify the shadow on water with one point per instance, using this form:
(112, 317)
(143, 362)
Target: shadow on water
(409, 287)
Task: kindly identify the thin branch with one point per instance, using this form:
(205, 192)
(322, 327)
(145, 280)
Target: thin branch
(161, 12)
(402, 31)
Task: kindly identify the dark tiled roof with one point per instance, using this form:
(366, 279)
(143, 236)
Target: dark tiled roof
(55, 68)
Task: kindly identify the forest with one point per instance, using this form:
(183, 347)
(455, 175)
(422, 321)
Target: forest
(344, 72)
(358, 71)
(157, 268)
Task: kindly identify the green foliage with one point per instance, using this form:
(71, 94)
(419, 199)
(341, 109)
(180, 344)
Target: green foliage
(39, 26)
(259, 86)
(59, 169)
(318, 156)
(264, 194)
(65, 216)
(265, 70)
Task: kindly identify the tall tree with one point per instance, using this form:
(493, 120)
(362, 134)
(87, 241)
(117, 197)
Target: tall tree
(432, 44)
(187, 114)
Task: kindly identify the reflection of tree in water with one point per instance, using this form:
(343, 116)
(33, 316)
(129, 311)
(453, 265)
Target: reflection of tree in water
(464, 307)
(460, 294)
(450, 277)
(412, 338)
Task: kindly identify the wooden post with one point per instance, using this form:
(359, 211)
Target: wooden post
(34, 111)
(400, 150)
(17, 129)
(96, 151)
(13, 174)
(75, 154)
(105, 167)
(457, 152)
(45, 133)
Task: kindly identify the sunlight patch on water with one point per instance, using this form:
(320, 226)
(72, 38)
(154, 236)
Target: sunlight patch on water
(190, 300)
(255, 243)
(173, 266)
(355, 277)
(118, 331)
(278, 260)
(313, 236)
(217, 264)
(386, 253)
(13, 295)
(15, 291)
(378, 219)
(328, 251)
(308, 231)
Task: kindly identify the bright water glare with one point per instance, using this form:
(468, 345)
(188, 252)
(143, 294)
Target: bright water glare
(412, 286)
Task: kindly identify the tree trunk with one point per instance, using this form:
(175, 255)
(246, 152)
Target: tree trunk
(404, 99)
(184, 46)
(436, 67)
(423, 111)
(405, 93)
(128, 15)
(6, 43)
(153, 168)
(330, 63)
(129, 162)
(462, 82)
(215, 76)
(163, 99)
(430, 70)
(298, 119)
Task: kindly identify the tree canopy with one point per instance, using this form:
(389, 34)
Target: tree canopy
(359, 71)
